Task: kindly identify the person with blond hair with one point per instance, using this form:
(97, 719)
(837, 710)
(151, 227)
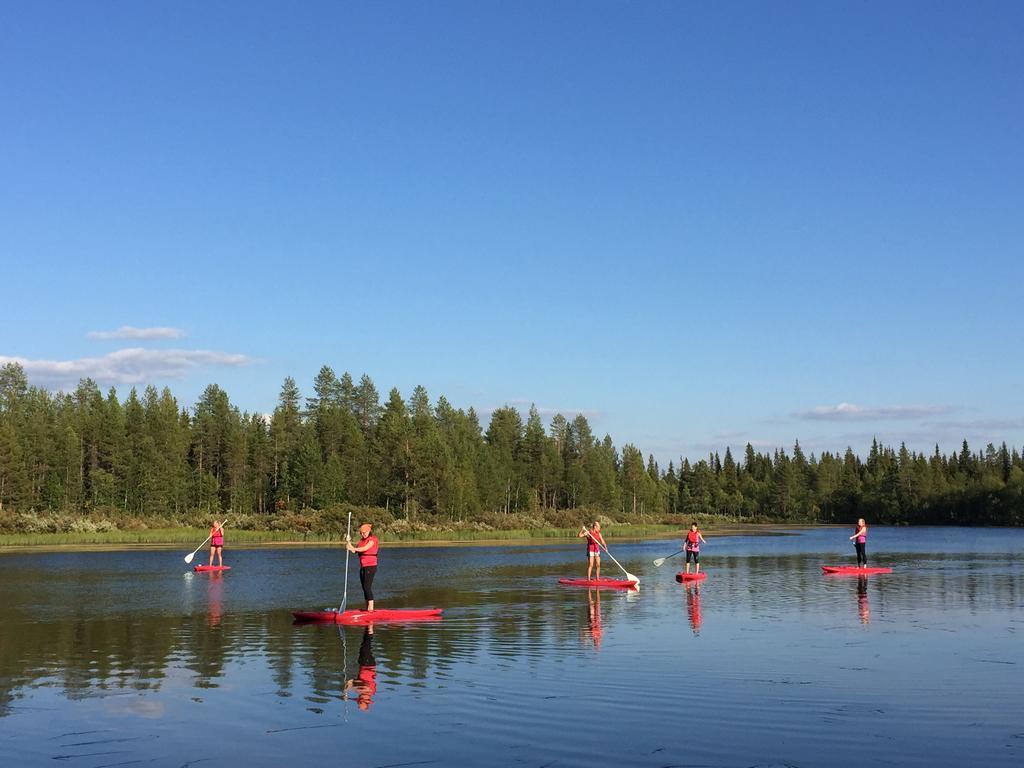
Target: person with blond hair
(594, 543)
(860, 543)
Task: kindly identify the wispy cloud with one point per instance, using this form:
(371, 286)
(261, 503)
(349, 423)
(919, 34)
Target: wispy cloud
(138, 334)
(851, 412)
(975, 425)
(545, 412)
(126, 366)
(734, 441)
(925, 437)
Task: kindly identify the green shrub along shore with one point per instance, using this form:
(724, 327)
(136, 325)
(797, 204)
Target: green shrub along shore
(324, 526)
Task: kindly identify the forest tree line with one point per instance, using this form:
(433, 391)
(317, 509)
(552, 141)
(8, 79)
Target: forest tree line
(86, 452)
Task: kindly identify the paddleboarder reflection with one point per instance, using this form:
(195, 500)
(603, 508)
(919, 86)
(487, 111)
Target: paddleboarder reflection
(862, 600)
(594, 616)
(365, 681)
(215, 598)
(693, 607)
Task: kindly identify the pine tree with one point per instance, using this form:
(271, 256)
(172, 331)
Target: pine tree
(394, 433)
(429, 459)
(286, 439)
(532, 458)
(634, 477)
(503, 437)
(13, 476)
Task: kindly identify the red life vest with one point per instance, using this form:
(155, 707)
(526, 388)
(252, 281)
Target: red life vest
(693, 541)
(369, 557)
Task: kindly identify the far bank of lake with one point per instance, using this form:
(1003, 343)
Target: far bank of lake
(175, 538)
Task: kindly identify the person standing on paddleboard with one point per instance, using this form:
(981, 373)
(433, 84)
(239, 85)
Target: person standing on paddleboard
(860, 543)
(594, 543)
(217, 542)
(367, 551)
(691, 544)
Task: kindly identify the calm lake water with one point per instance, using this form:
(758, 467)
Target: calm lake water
(126, 658)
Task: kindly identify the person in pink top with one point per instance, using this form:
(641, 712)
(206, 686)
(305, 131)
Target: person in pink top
(217, 542)
(691, 544)
(594, 543)
(367, 551)
(860, 543)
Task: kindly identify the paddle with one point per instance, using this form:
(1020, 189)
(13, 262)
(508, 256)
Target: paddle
(629, 576)
(188, 558)
(661, 560)
(348, 540)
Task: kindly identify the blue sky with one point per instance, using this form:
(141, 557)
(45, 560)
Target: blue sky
(699, 224)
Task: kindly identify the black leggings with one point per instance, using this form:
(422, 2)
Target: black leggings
(862, 555)
(366, 574)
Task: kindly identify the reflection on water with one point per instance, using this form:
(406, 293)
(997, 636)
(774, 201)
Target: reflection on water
(364, 684)
(114, 658)
(215, 598)
(693, 607)
(863, 608)
(592, 629)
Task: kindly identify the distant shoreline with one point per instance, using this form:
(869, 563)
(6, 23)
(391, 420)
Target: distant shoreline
(186, 539)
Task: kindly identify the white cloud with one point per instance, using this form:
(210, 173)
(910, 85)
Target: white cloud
(851, 412)
(125, 366)
(139, 334)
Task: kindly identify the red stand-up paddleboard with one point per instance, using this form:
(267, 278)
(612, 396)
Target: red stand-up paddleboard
(852, 570)
(682, 577)
(369, 617)
(600, 583)
(205, 568)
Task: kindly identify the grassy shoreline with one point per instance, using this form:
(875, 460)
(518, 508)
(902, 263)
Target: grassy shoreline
(189, 538)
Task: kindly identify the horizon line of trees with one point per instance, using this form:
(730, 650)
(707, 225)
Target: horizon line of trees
(83, 451)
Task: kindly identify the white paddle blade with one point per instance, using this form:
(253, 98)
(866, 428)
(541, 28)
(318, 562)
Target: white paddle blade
(660, 562)
(634, 579)
(188, 557)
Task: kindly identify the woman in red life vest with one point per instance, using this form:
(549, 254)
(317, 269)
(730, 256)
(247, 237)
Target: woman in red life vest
(594, 543)
(691, 544)
(217, 542)
(367, 551)
(860, 543)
